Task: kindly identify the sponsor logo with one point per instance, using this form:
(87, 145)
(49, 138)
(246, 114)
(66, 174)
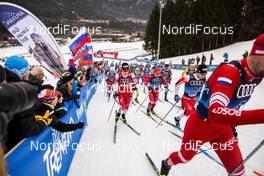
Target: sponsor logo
(196, 83)
(125, 80)
(226, 111)
(155, 80)
(245, 90)
(259, 51)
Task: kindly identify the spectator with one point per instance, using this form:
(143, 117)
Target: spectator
(198, 60)
(189, 61)
(226, 57)
(192, 61)
(211, 59)
(203, 60)
(2, 74)
(47, 102)
(64, 85)
(88, 74)
(183, 62)
(81, 79)
(36, 76)
(23, 124)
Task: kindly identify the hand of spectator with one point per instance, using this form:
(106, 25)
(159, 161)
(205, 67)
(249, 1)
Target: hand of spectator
(45, 118)
(80, 125)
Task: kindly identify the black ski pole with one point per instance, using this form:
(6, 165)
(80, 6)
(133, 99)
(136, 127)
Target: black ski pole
(162, 120)
(247, 158)
(142, 103)
(111, 111)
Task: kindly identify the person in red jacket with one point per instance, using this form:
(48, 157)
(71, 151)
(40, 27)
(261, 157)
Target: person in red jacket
(154, 82)
(229, 87)
(125, 79)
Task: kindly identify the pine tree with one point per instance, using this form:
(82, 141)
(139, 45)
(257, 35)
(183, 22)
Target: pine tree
(234, 20)
(152, 30)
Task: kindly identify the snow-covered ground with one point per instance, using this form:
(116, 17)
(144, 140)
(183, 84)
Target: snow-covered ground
(99, 156)
(127, 156)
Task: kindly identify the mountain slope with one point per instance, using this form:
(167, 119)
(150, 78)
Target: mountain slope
(88, 9)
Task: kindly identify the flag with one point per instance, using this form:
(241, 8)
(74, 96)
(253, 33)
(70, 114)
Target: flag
(85, 55)
(82, 48)
(79, 41)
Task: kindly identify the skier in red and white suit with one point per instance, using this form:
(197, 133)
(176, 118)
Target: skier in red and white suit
(229, 87)
(154, 82)
(125, 79)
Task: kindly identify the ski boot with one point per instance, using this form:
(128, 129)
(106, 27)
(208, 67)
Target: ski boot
(166, 99)
(136, 100)
(165, 168)
(177, 122)
(117, 116)
(152, 112)
(108, 96)
(124, 118)
(148, 112)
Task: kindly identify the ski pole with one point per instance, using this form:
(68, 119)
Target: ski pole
(247, 158)
(142, 103)
(111, 110)
(162, 120)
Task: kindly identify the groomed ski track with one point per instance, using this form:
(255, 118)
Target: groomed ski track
(99, 156)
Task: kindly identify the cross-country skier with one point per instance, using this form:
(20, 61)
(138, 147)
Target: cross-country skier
(145, 73)
(110, 79)
(154, 82)
(124, 79)
(166, 73)
(229, 87)
(135, 86)
(192, 88)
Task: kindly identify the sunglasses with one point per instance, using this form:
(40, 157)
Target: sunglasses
(125, 68)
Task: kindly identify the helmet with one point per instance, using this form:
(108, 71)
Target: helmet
(203, 69)
(156, 70)
(125, 65)
(167, 65)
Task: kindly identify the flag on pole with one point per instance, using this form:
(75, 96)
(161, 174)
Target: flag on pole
(82, 48)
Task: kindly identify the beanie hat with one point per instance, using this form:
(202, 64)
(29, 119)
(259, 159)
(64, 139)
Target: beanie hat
(17, 65)
(258, 46)
(72, 70)
(2, 74)
(48, 95)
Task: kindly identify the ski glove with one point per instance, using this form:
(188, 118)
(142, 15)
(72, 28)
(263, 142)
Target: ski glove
(115, 95)
(80, 125)
(45, 118)
(176, 98)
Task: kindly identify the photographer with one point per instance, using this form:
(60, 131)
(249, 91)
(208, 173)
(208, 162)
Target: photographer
(3, 124)
(20, 96)
(23, 123)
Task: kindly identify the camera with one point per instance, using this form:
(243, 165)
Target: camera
(14, 98)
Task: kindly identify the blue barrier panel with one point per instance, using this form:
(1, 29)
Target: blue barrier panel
(51, 152)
